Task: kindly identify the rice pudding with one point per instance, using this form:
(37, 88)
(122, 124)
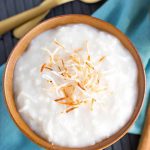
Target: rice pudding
(75, 85)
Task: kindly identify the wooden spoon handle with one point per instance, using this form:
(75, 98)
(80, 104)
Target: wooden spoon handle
(19, 19)
(145, 137)
(20, 31)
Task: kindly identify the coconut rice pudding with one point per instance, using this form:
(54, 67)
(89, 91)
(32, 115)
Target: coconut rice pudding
(75, 85)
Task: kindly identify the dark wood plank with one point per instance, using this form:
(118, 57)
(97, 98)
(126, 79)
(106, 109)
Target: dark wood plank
(68, 8)
(3, 13)
(50, 15)
(134, 140)
(109, 148)
(7, 38)
(10, 8)
(19, 5)
(76, 7)
(125, 142)
(85, 8)
(2, 53)
(37, 2)
(28, 4)
(117, 146)
(59, 10)
(95, 6)
(8, 43)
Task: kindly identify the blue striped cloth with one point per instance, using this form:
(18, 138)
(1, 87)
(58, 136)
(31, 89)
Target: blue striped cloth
(133, 18)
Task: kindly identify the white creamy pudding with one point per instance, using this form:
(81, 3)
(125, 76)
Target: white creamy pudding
(75, 85)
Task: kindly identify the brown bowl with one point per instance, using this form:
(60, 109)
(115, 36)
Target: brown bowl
(21, 47)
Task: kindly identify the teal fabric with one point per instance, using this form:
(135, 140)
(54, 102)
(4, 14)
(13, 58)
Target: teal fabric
(133, 18)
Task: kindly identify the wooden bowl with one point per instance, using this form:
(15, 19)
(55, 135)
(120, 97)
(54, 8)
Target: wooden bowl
(22, 46)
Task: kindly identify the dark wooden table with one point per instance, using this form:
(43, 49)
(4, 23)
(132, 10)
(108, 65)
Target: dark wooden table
(7, 42)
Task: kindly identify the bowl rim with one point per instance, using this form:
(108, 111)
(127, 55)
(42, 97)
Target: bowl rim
(36, 138)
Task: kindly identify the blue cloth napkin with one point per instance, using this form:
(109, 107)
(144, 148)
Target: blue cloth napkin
(133, 18)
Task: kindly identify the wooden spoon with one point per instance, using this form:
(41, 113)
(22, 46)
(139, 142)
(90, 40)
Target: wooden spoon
(145, 137)
(19, 19)
(20, 31)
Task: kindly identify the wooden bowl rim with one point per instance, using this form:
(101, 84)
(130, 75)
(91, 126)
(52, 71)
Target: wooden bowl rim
(31, 134)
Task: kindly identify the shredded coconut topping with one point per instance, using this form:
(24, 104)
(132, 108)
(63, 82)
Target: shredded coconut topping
(78, 75)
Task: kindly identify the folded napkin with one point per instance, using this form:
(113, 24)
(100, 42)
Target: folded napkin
(132, 18)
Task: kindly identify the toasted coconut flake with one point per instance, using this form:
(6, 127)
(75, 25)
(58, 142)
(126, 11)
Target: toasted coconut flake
(89, 58)
(92, 102)
(98, 81)
(89, 65)
(63, 64)
(49, 81)
(56, 50)
(75, 59)
(66, 74)
(59, 44)
(81, 86)
(87, 50)
(50, 54)
(102, 58)
(79, 68)
(42, 67)
(71, 109)
(47, 50)
(69, 103)
(78, 74)
(68, 90)
(49, 68)
(59, 99)
(59, 68)
(78, 49)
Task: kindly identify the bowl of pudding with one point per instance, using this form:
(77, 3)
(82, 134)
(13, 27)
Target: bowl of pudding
(74, 82)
